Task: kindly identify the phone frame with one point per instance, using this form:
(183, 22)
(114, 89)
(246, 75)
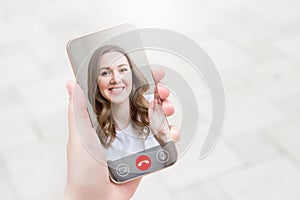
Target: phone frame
(169, 147)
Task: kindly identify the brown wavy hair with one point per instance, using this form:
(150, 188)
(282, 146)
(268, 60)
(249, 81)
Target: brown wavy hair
(102, 107)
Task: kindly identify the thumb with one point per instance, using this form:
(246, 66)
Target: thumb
(70, 88)
(77, 106)
(80, 124)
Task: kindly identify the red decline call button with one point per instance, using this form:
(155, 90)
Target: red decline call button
(143, 162)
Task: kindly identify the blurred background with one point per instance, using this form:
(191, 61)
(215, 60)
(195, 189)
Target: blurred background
(255, 46)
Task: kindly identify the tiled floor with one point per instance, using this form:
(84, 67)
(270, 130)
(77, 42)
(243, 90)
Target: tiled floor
(255, 46)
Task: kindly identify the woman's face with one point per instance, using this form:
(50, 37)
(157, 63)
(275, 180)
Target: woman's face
(115, 78)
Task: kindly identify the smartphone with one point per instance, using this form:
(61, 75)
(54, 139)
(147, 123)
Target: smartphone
(124, 106)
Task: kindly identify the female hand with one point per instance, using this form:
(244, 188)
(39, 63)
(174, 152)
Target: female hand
(87, 178)
(159, 108)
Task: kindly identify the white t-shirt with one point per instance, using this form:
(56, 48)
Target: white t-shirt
(128, 141)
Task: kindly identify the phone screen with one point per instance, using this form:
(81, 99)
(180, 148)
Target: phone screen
(124, 106)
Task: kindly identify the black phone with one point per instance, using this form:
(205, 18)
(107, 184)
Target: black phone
(124, 106)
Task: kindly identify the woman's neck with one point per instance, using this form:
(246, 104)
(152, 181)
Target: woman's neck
(121, 114)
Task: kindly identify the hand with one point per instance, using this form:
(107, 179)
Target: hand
(87, 178)
(159, 108)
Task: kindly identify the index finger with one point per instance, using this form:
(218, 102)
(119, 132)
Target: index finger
(157, 74)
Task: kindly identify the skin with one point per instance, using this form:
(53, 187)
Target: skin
(115, 85)
(88, 178)
(115, 80)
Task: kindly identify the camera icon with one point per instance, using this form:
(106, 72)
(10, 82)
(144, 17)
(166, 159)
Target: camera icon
(122, 170)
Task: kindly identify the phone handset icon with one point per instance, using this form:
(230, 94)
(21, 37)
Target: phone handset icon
(143, 162)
